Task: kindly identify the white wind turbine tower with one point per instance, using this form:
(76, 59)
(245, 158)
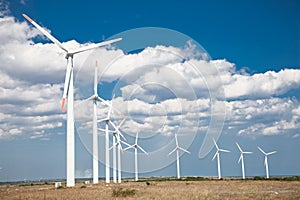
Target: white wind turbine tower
(242, 158)
(136, 147)
(177, 148)
(69, 95)
(266, 159)
(217, 154)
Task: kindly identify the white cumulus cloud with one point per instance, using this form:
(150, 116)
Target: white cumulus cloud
(161, 89)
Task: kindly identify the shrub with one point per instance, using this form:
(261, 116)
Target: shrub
(120, 192)
(258, 178)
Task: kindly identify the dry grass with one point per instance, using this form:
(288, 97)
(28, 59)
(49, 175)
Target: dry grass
(206, 189)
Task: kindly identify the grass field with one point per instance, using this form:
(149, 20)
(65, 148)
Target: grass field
(160, 189)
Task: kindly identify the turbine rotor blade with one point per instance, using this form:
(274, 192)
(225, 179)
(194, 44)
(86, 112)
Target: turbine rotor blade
(224, 150)
(124, 143)
(66, 85)
(261, 150)
(110, 148)
(182, 149)
(102, 120)
(240, 158)
(217, 152)
(270, 153)
(239, 147)
(87, 123)
(176, 140)
(124, 138)
(136, 137)
(63, 101)
(215, 143)
(93, 46)
(109, 111)
(121, 123)
(130, 147)
(143, 150)
(117, 130)
(85, 100)
(103, 101)
(103, 130)
(110, 107)
(119, 142)
(172, 151)
(96, 79)
(46, 33)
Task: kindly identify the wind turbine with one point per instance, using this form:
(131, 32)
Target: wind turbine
(116, 135)
(116, 143)
(217, 154)
(108, 121)
(119, 158)
(266, 159)
(136, 147)
(69, 95)
(242, 158)
(94, 98)
(177, 148)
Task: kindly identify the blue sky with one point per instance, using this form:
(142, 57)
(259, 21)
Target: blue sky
(255, 46)
(249, 33)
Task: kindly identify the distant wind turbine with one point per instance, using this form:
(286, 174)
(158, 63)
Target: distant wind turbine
(135, 146)
(177, 148)
(69, 95)
(117, 143)
(95, 98)
(107, 121)
(242, 158)
(217, 154)
(266, 159)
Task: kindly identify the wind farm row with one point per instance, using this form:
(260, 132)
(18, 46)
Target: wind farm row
(117, 141)
(111, 129)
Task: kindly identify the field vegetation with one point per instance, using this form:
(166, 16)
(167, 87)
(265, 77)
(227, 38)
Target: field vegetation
(161, 188)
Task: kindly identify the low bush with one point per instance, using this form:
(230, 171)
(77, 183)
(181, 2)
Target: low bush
(120, 192)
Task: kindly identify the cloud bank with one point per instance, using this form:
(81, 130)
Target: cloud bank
(162, 89)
